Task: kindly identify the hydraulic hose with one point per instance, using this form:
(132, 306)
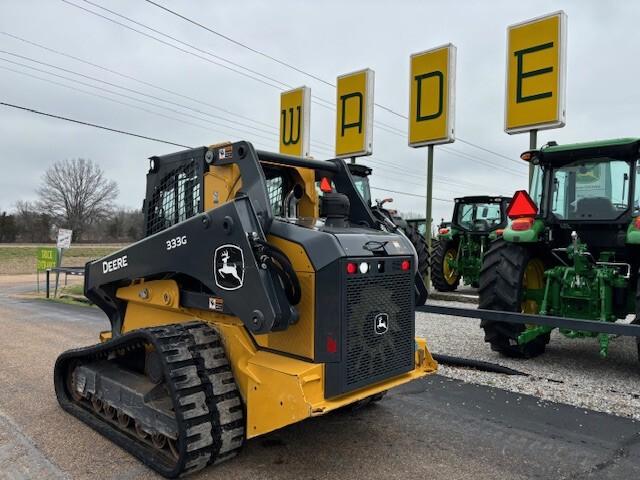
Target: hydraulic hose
(477, 364)
(276, 260)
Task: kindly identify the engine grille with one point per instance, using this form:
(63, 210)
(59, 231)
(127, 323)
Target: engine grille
(371, 356)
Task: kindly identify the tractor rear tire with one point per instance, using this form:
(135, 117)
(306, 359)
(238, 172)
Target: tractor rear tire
(501, 288)
(420, 245)
(439, 280)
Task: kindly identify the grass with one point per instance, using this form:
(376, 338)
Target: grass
(77, 289)
(21, 258)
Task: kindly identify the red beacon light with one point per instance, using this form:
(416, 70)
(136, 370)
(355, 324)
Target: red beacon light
(325, 185)
(522, 205)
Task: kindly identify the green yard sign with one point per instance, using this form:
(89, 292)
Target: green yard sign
(47, 258)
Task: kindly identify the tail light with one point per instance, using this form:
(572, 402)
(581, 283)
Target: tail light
(636, 222)
(443, 231)
(522, 224)
(499, 232)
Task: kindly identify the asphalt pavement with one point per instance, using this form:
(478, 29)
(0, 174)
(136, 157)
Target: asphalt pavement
(436, 428)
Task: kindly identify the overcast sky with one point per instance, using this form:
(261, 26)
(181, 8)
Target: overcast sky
(327, 39)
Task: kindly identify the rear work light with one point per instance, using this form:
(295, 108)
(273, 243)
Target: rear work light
(522, 205)
(522, 224)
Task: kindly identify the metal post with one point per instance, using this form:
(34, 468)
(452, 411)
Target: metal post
(48, 275)
(428, 209)
(533, 142)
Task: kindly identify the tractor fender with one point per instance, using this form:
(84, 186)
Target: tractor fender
(532, 235)
(633, 235)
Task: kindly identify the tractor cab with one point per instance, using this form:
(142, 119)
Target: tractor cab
(590, 189)
(479, 215)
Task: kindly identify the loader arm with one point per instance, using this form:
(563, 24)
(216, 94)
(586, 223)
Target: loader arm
(217, 249)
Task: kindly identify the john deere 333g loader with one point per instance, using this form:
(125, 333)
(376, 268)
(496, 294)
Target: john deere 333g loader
(570, 251)
(265, 292)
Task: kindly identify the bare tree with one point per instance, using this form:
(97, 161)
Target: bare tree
(77, 193)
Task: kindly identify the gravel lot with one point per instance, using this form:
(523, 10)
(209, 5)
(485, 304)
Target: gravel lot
(571, 371)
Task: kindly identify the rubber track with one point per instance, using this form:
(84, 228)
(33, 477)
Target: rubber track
(439, 249)
(501, 289)
(208, 407)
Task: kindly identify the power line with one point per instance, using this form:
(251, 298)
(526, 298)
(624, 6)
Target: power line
(437, 178)
(232, 128)
(124, 132)
(182, 42)
(136, 107)
(281, 62)
(411, 194)
(131, 98)
(137, 92)
(102, 127)
(380, 125)
(170, 45)
(315, 99)
(299, 70)
(142, 82)
(393, 173)
(274, 130)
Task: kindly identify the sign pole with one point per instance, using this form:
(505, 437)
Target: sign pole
(428, 208)
(533, 142)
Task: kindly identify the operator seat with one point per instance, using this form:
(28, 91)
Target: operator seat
(594, 207)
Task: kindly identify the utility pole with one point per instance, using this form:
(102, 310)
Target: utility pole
(428, 208)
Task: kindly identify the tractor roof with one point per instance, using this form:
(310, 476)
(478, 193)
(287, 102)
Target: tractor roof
(482, 199)
(616, 148)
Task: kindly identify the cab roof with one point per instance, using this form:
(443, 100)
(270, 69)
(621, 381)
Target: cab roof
(482, 199)
(616, 148)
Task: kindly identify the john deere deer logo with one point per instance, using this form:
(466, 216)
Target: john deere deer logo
(228, 267)
(381, 323)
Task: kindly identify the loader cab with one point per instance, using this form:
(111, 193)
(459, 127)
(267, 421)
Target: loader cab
(590, 188)
(360, 174)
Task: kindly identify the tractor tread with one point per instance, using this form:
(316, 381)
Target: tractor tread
(438, 250)
(501, 289)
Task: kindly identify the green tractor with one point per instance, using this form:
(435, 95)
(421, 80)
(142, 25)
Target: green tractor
(458, 249)
(572, 248)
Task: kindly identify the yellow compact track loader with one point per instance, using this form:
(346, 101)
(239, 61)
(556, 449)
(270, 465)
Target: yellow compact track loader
(264, 292)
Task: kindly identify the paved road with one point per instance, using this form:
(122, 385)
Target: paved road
(434, 429)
